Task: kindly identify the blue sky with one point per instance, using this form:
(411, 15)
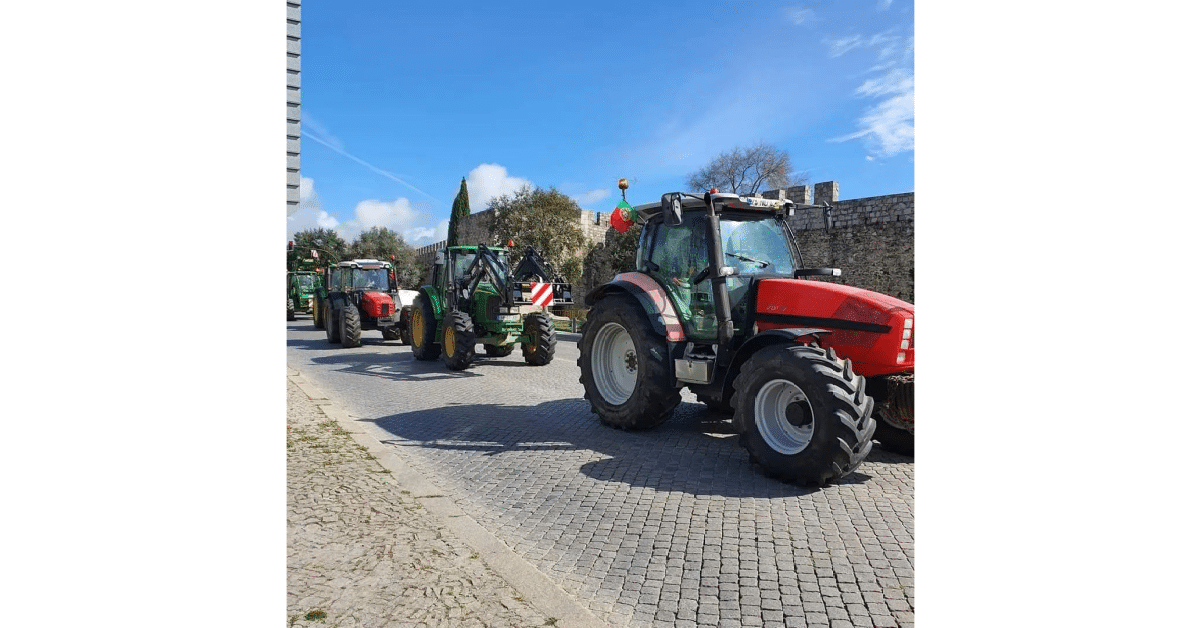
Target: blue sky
(400, 101)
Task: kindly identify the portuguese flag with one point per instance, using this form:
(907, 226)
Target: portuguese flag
(623, 216)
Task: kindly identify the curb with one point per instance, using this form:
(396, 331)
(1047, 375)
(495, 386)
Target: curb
(537, 588)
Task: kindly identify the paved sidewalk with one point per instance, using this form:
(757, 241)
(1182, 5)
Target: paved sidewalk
(369, 544)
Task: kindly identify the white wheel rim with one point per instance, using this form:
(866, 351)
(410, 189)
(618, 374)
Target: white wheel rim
(771, 406)
(614, 364)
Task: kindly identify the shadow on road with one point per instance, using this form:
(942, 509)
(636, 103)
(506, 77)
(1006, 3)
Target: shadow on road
(695, 452)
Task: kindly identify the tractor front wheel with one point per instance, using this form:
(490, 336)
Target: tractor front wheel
(424, 331)
(333, 330)
(291, 307)
(318, 320)
(624, 366)
(802, 414)
(458, 341)
(351, 327)
(539, 350)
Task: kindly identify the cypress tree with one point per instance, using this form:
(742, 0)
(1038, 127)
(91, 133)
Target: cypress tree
(458, 213)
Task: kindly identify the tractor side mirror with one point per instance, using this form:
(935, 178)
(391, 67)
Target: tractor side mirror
(672, 209)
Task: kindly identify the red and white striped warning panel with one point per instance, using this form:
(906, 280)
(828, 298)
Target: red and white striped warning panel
(543, 293)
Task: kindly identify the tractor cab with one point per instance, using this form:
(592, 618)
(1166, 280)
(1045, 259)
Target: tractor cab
(752, 244)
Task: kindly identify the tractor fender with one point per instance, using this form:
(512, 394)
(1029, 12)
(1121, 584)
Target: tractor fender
(435, 300)
(756, 343)
(652, 297)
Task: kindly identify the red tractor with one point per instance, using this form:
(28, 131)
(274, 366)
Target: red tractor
(811, 370)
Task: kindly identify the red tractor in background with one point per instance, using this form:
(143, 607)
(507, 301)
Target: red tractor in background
(358, 297)
(811, 370)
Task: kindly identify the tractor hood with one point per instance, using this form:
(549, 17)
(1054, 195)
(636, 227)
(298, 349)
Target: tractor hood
(378, 304)
(875, 331)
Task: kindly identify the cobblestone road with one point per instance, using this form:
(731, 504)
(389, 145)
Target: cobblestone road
(667, 528)
(364, 552)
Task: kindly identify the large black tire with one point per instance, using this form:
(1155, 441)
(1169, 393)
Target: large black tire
(458, 341)
(351, 327)
(406, 326)
(291, 307)
(423, 330)
(391, 333)
(333, 328)
(318, 309)
(499, 351)
(624, 366)
(539, 351)
(894, 439)
(802, 413)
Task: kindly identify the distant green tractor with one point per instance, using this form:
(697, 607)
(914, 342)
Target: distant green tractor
(301, 287)
(475, 298)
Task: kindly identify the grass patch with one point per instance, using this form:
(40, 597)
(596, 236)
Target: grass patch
(316, 615)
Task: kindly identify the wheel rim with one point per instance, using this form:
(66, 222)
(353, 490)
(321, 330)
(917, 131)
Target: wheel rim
(417, 324)
(448, 338)
(783, 416)
(532, 332)
(614, 364)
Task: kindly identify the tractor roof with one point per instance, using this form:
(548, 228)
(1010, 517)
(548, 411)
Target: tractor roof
(721, 202)
(364, 263)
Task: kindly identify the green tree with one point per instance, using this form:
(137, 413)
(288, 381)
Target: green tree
(546, 220)
(617, 254)
(386, 245)
(458, 213)
(330, 247)
(747, 170)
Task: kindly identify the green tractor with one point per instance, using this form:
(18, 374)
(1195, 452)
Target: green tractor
(475, 298)
(303, 280)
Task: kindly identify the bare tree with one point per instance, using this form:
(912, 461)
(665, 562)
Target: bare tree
(748, 170)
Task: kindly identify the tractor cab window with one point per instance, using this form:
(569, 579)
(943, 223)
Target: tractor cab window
(676, 256)
(754, 246)
(373, 279)
(305, 282)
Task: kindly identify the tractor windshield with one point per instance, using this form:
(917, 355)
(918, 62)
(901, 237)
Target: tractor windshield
(374, 279)
(756, 246)
(305, 282)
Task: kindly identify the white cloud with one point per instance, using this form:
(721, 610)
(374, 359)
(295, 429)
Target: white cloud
(886, 126)
(411, 221)
(487, 181)
(309, 214)
(587, 198)
(800, 16)
(896, 81)
(839, 47)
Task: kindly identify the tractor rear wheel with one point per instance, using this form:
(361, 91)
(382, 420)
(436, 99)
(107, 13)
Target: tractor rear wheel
(458, 341)
(333, 329)
(894, 439)
(318, 319)
(406, 326)
(539, 350)
(498, 351)
(624, 366)
(423, 330)
(351, 327)
(802, 414)
(291, 309)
